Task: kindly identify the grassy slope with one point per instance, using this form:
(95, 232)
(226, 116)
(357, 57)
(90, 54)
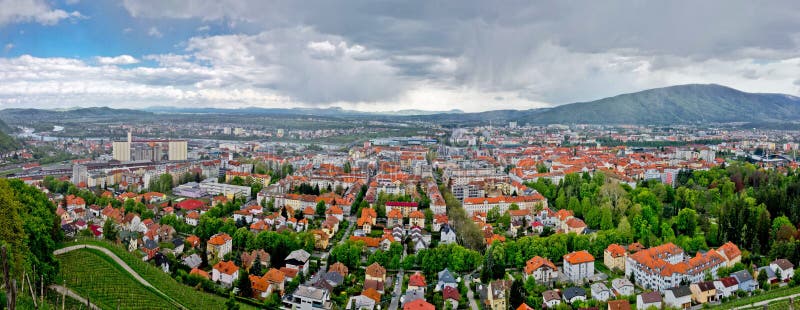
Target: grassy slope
(95, 276)
(184, 294)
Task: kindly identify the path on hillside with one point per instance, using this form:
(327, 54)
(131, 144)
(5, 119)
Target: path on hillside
(121, 263)
(63, 290)
(766, 302)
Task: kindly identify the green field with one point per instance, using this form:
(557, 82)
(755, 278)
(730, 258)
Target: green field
(187, 296)
(94, 276)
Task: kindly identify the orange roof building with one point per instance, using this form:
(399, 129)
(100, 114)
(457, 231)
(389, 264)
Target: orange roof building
(578, 266)
(541, 269)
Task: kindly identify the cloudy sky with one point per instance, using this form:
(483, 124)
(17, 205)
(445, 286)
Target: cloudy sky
(385, 55)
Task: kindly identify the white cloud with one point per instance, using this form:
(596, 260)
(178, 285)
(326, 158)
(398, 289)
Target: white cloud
(8, 47)
(302, 66)
(154, 32)
(20, 11)
(118, 60)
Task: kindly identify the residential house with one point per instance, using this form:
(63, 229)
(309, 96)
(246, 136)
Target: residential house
(339, 268)
(375, 277)
(452, 296)
(419, 304)
(578, 266)
(574, 294)
(746, 281)
(260, 286)
(783, 269)
(192, 218)
(678, 297)
(219, 245)
(225, 272)
(360, 302)
(321, 239)
(731, 253)
(726, 287)
(394, 218)
(416, 219)
(614, 257)
(448, 235)
(368, 219)
(333, 279)
(541, 269)
(621, 304)
(192, 261)
(648, 300)
(275, 280)
(412, 295)
(298, 260)
(524, 306)
(336, 212)
(150, 248)
(405, 208)
(446, 279)
(601, 292)
(308, 298)
(703, 292)
(439, 220)
(551, 299)
(771, 276)
(200, 273)
(417, 282)
(494, 296)
(622, 287)
(249, 258)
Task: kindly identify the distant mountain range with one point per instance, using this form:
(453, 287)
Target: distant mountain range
(69, 114)
(681, 104)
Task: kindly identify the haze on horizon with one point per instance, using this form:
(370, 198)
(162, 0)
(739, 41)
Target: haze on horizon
(385, 56)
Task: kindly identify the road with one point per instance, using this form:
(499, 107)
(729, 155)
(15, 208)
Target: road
(398, 285)
(323, 256)
(766, 302)
(470, 294)
(63, 290)
(119, 262)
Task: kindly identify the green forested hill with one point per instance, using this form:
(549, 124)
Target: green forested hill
(677, 104)
(7, 143)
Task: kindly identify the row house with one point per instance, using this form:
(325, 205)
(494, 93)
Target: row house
(667, 266)
(531, 202)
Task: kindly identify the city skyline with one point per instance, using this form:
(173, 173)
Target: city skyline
(384, 56)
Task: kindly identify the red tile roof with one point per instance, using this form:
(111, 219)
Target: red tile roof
(579, 257)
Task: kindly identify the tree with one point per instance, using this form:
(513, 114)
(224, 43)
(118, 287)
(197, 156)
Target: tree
(624, 230)
(165, 183)
(782, 228)
(110, 230)
(237, 180)
(321, 208)
(11, 230)
(255, 269)
(686, 222)
(763, 280)
(244, 285)
(518, 294)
